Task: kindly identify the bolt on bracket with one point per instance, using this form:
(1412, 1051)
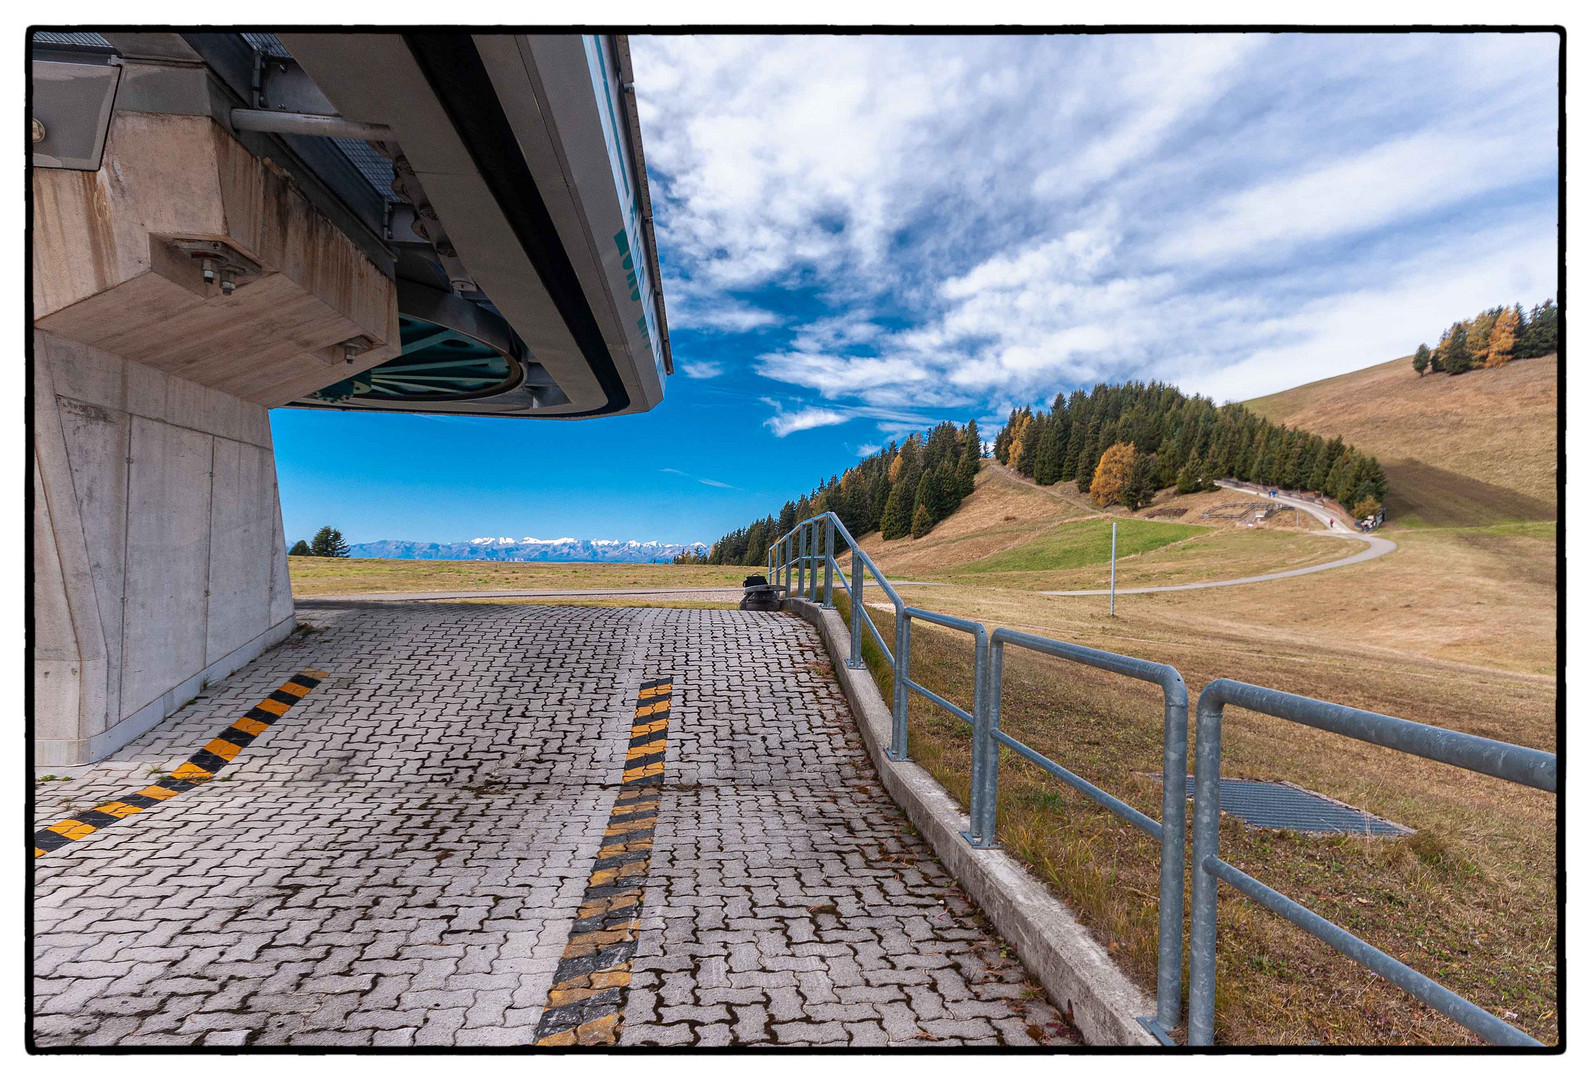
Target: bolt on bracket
(219, 263)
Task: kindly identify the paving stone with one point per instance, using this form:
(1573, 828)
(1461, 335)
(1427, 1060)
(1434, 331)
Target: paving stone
(398, 860)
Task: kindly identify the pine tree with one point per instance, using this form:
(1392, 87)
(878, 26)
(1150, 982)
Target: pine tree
(1052, 448)
(1541, 332)
(1032, 437)
(300, 548)
(1077, 413)
(328, 544)
(971, 455)
(1456, 356)
(1422, 359)
(922, 521)
(897, 520)
(1142, 484)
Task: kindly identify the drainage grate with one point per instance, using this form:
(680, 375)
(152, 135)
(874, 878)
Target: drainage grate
(47, 37)
(1272, 805)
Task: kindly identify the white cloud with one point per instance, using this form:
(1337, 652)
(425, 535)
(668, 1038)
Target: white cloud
(1399, 178)
(784, 423)
(699, 479)
(970, 223)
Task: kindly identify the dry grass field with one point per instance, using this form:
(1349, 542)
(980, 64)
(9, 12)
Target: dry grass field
(1477, 448)
(348, 577)
(1455, 628)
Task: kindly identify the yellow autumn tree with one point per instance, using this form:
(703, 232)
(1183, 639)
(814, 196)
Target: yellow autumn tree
(1112, 473)
(1019, 430)
(1504, 340)
(907, 455)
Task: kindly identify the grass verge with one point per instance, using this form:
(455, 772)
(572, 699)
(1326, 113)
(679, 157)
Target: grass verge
(1083, 543)
(1469, 899)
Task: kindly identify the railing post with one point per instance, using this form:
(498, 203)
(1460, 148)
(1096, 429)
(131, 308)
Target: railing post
(801, 560)
(984, 791)
(1206, 843)
(789, 543)
(855, 660)
(828, 562)
(812, 563)
(903, 645)
(1173, 841)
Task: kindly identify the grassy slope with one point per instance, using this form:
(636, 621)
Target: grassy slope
(1455, 628)
(1083, 543)
(1012, 533)
(346, 577)
(1474, 449)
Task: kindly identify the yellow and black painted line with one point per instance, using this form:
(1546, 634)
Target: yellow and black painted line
(585, 1006)
(216, 755)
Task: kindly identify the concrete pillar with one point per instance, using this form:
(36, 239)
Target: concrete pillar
(159, 560)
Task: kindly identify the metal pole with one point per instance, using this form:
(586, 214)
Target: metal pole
(801, 560)
(1206, 840)
(903, 645)
(286, 123)
(1113, 569)
(1173, 840)
(986, 793)
(812, 564)
(828, 562)
(856, 610)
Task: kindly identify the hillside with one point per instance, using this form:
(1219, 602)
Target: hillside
(1013, 533)
(1472, 449)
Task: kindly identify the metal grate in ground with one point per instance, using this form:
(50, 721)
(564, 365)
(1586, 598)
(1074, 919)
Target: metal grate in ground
(1272, 805)
(47, 37)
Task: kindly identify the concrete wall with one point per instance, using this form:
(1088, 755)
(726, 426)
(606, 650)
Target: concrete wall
(159, 560)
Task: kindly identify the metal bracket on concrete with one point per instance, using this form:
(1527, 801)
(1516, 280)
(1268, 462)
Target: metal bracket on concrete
(980, 845)
(220, 262)
(1153, 1027)
(281, 85)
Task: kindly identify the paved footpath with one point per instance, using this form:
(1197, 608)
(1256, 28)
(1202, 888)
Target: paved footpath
(507, 826)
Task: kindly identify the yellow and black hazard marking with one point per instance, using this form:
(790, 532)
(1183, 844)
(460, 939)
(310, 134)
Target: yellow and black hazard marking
(216, 755)
(585, 1006)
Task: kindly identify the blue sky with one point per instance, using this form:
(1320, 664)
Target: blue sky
(860, 236)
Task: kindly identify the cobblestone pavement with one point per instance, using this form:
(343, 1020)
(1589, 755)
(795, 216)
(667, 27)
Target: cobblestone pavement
(399, 859)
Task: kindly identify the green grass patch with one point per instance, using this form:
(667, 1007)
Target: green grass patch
(1084, 543)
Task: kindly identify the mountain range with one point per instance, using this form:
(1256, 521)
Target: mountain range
(527, 549)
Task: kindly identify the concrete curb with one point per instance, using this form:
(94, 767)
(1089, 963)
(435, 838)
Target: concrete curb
(1079, 976)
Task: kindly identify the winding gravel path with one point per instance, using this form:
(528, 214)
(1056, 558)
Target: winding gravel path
(1375, 547)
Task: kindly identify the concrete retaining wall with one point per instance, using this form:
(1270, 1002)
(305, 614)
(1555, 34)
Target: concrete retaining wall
(159, 560)
(1075, 970)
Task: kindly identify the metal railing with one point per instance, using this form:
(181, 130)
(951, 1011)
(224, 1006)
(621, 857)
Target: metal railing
(795, 553)
(1170, 830)
(1532, 768)
(798, 553)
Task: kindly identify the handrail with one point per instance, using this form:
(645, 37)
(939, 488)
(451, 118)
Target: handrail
(1518, 764)
(1170, 830)
(792, 550)
(796, 552)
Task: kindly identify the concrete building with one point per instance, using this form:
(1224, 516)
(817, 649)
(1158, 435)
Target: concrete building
(223, 224)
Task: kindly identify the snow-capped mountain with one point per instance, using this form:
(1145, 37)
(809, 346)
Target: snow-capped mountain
(527, 549)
